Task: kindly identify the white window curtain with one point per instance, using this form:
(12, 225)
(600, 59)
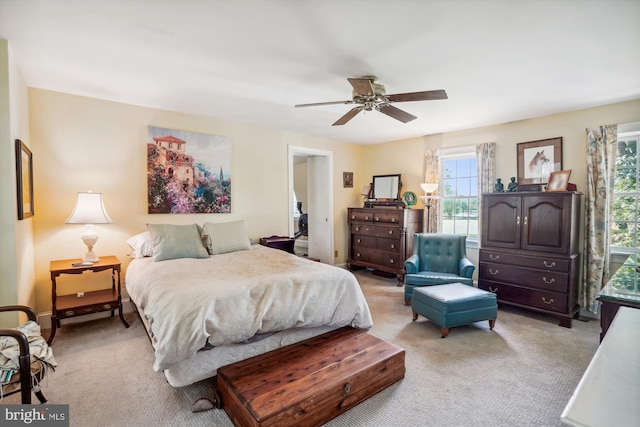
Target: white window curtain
(601, 161)
(432, 174)
(486, 159)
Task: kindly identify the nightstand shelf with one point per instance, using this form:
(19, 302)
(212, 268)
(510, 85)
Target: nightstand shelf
(67, 306)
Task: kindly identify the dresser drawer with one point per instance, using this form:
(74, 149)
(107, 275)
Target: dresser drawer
(389, 245)
(546, 300)
(541, 262)
(389, 216)
(379, 258)
(388, 232)
(364, 241)
(361, 215)
(539, 279)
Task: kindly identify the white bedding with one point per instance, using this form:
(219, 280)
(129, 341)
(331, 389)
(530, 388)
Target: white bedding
(228, 298)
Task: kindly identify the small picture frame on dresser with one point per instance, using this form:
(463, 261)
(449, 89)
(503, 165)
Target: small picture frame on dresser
(558, 181)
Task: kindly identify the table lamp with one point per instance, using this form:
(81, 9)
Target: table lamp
(89, 210)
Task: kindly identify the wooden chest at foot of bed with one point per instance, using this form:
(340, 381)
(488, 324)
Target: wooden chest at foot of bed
(310, 382)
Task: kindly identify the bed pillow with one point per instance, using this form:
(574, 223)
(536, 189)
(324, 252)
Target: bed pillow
(141, 245)
(176, 241)
(223, 237)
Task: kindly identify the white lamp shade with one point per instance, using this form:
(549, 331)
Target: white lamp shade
(89, 210)
(429, 187)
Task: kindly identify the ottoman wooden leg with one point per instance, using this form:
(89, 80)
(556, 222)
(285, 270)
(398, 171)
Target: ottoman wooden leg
(407, 302)
(492, 323)
(445, 332)
(415, 316)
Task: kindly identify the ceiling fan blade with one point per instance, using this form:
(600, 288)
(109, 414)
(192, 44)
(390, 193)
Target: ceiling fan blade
(397, 113)
(362, 86)
(418, 96)
(315, 104)
(350, 115)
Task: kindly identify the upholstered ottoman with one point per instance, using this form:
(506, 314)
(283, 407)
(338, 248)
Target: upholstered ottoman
(454, 304)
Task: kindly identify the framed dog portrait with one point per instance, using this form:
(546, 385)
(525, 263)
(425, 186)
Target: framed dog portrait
(537, 159)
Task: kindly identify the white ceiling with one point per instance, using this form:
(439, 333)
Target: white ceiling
(251, 61)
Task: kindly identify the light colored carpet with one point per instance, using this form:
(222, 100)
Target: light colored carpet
(520, 374)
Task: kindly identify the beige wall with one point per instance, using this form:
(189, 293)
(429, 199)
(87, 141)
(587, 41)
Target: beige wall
(87, 144)
(16, 241)
(406, 156)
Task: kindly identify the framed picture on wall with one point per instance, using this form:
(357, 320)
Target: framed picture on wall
(347, 179)
(24, 179)
(537, 159)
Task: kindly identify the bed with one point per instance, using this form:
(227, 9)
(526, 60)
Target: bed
(205, 312)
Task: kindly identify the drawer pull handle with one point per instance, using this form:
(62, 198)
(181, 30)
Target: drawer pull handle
(494, 258)
(106, 306)
(367, 229)
(545, 280)
(390, 261)
(359, 241)
(358, 255)
(69, 313)
(525, 220)
(366, 218)
(393, 220)
(377, 219)
(544, 300)
(518, 220)
(347, 388)
(390, 232)
(495, 291)
(493, 272)
(393, 246)
(353, 217)
(546, 264)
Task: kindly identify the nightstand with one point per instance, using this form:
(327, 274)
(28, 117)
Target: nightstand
(67, 306)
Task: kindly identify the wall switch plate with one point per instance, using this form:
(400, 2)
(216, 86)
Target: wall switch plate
(80, 294)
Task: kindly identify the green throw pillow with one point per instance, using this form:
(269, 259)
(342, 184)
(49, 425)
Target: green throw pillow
(176, 241)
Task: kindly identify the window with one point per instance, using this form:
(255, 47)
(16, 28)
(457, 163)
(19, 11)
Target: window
(625, 225)
(459, 194)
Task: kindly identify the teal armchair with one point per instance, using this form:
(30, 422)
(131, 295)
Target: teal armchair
(437, 259)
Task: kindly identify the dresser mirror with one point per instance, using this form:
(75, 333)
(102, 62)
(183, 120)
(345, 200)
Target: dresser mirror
(385, 191)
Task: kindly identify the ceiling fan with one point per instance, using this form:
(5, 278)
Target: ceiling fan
(372, 96)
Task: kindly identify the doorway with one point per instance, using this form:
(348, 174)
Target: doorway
(319, 200)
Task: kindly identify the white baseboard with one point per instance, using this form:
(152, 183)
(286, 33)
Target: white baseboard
(44, 318)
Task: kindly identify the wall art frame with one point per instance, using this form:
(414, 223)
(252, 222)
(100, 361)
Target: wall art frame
(24, 180)
(558, 181)
(188, 172)
(347, 179)
(537, 159)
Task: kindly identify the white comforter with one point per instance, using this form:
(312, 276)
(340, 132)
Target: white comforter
(229, 298)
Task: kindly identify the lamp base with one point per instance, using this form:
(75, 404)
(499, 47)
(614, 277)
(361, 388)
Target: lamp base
(90, 256)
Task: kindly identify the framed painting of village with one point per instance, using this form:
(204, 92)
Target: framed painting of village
(188, 172)
(537, 159)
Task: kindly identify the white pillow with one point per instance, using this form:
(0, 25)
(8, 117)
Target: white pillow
(141, 245)
(223, 237)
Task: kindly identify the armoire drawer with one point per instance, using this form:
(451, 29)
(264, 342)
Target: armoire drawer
(539, 279)
(545, 263)
(546, 300)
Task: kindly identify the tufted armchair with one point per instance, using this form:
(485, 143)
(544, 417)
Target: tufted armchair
(437, 259)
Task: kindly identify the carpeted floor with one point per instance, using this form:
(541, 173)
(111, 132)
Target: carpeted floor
(520, 374)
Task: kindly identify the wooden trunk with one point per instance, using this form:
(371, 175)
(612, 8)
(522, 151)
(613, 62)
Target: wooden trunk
(310, 382)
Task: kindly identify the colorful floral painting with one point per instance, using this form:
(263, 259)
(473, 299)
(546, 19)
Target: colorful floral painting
(188, 172)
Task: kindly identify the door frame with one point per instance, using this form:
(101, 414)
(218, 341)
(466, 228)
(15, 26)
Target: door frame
(321, 245)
